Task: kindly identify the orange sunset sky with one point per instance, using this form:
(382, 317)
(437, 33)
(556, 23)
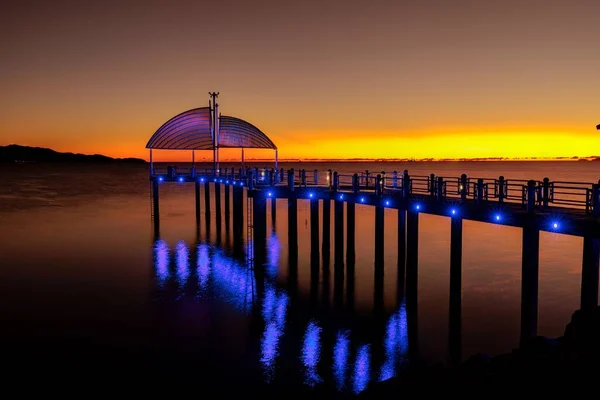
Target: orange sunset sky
(323, 79)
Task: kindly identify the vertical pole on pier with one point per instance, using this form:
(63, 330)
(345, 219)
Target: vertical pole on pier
(218, 202)
(302, 177)
(501, 189)
(155, 207)
(439, 188)
(379, 237)
(338, 222)
(227, 205)
(463, 187)
(530, 196)
(401, 253)
(243, 167)
(379, 246)
(455, 340)
(480, 191)
(405, 184)
(207, 197)
(529, 281)
(259, 223)
(432, 185)
(595, 204)
(412, 279)
(350, 233)
(314, 228)
(325, 246)
(395, 180)
(316, 177)
(546, 193)
(276, 160)
(590, 273)
(238, 217)
(151, 164)
(292, 217)
(273, 210)
(197, 193)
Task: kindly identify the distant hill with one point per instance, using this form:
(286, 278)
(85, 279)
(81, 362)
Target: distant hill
(16, 153)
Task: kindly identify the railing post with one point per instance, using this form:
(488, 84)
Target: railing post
(250, 180)
(291, 180)
(355, 183)
(329, 179)
(546, 192)
(596, 199)
(378, 185)
(405, 184)
(281, 175)
(440, 188)
(382, 181)
(463, 187)
(432, 184)
(336, 181)
(530, 196)
(479, 191)
(501, 185)
(316, 177)
(367, 178)
(302, 177)
(395, 179)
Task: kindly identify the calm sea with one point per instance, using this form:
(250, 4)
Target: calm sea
(84, 282)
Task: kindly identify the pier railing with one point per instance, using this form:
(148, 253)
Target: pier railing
(583, 196)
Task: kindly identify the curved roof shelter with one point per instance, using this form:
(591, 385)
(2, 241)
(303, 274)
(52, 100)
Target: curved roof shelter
(235, 132)
(192, 130)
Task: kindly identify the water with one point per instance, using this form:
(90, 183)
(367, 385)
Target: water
(84, 282)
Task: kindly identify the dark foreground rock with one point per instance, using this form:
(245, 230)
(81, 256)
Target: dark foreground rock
(567, 364)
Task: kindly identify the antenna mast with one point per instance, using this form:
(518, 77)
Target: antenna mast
(215, 131)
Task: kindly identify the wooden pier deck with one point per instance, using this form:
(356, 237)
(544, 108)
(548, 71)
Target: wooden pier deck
(571, 208)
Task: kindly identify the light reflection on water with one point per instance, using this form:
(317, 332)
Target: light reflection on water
(311, 350)
(161, 261)
(274, 308)
(362, 368)
(234, 283)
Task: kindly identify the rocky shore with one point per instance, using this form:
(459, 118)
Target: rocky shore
(540, 365)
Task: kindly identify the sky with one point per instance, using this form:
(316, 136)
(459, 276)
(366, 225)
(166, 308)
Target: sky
(323, 79)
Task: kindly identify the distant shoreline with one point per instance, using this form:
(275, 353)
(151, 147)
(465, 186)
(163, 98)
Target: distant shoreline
(17, 154)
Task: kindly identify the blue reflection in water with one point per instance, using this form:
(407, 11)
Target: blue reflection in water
(362, 368)
(161, 261)
(395, 342)
(341, 352)
(183, 263)
(234, 283)
(274, 311)
(203, 267)
(311, 352)
(273, 248)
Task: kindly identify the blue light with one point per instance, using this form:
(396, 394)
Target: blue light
(226, 181)
(234, 182)
(201, 179)
(362, 368)
(311, 350)
(269, 194)
(181, 179)
(387, 202)
(221, 180)
(341, 196)
(362, 199)
(341, 353)
(453, 211)
(418, 206)
(161, 261)
(497, 217)
(241, 183)
(555, 225)
(160, 179)
(310, 195)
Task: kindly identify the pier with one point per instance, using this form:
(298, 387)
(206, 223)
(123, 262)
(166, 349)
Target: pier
(571, 208)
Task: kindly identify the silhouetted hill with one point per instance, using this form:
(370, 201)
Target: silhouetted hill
(16, 153)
